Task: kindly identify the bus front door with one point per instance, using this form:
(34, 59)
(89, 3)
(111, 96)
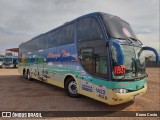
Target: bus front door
(87, 61)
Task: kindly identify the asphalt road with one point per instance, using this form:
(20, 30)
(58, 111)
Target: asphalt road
(18, 94)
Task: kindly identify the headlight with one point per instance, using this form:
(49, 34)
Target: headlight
(119, 90)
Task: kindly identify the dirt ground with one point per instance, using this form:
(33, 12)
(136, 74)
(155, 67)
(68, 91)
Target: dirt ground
(18, 94)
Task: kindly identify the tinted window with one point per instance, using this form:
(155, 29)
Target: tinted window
(91, 47)
(32, 45)
(116, 27)
(86, 58)
(88, 29)
(52, 40)
(42, 42)
(66, 35)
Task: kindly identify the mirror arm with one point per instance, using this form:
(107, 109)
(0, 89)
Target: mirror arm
(153, 50)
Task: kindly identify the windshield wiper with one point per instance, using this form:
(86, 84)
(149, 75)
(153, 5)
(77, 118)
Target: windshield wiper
(123, 39)
(118, 38)
(134, 64)
(134, 71)
(135, 39)
(138, 77)
(128, 73)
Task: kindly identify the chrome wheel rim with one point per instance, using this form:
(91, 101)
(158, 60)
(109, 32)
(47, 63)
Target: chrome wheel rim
(25, 75)
(28, 75)
(72, 87)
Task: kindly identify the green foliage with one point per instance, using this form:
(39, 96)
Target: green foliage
(27, 60)
(38, 60)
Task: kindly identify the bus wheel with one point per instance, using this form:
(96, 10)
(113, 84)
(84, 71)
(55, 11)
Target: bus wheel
(25, 74)
(28, 75)
(71, 87)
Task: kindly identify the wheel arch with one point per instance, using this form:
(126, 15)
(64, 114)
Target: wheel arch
(71, 76)
(24, 70)
(28, 70)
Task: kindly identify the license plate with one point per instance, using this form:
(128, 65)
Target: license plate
(136, 95)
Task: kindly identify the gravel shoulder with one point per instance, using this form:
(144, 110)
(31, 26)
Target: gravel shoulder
(18, 94)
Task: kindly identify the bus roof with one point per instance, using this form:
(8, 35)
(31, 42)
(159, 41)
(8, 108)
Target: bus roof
(94, 14)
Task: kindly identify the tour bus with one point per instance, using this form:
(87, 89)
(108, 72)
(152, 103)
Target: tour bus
(1, 61)
(10, 62)
(96, 55)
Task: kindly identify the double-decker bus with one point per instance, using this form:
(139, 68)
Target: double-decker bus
(10, 62)
(96, 55)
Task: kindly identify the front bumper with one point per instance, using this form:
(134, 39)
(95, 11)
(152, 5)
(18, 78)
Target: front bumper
(117, 98)
(7, 66)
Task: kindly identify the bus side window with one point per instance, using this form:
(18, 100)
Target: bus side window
(86, 58)
(52, 39)
(101, 65)
(67, 35)
(90, 35)
(88, 29)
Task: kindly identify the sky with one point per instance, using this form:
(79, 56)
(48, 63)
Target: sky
(21, 20)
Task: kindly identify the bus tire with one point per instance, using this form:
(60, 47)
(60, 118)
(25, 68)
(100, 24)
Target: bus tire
(71, 87)
(25, 74)
(28, 75)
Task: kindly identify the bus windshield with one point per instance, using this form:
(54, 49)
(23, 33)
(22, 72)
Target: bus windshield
(7, 60)
(134, 62)
(117, 28)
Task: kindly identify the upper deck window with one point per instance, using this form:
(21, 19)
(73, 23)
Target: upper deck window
(88, 29)
(61, 36)
(66, 35)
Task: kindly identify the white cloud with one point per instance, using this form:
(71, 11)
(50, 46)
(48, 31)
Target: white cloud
(24, 19)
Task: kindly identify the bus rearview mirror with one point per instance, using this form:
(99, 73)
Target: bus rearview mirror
(153, 50)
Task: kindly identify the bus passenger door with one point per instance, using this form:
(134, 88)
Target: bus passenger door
(95, 63)
(100, 73)
(87, 61)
